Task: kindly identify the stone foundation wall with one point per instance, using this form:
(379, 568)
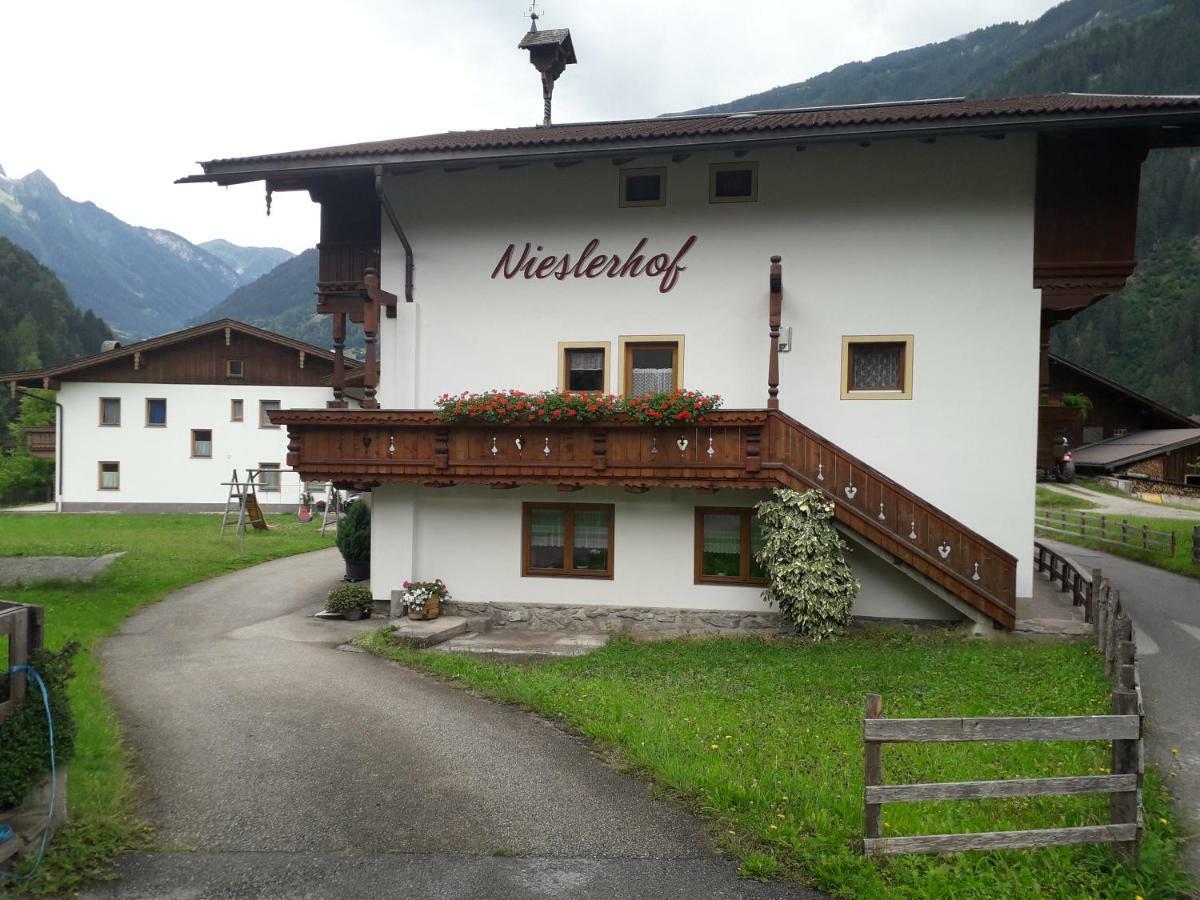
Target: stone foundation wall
(619, 619)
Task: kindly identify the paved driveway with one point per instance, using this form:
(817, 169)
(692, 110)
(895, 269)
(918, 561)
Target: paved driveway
(277, 766)
(1165, 609)
(1112, 505)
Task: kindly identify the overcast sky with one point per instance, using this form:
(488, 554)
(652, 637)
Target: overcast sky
(115, 100)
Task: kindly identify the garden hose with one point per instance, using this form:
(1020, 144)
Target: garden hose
(5, 831)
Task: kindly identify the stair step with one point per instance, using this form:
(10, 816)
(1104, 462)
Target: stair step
(419, 634)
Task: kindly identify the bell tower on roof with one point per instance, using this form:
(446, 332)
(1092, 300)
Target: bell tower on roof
(550, 52)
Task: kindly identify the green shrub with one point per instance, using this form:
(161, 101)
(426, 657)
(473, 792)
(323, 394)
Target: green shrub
(803, 555)
(24, 742)
(354, 533)
(346, 597)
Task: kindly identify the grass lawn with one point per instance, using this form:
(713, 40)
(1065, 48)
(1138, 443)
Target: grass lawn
(1048, 499)
(163, 553)
(1181, 563)
(763, 739)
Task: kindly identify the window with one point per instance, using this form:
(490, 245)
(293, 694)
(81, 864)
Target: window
(573, 539)
(643, 187)
(726, 541)
(651, 363)
(156, 412)
(233, 368)
(269, 477)
(236, 408)
(110, 476)
(202, 442)
(264, 410)
(733, 182)
(110, 410)
(583, 367)
(877, 367)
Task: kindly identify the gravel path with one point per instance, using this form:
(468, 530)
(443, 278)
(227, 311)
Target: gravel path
(277, 766)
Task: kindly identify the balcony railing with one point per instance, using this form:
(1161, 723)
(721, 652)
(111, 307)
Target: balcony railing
(749, 449)
(342, 266)
(40, 440)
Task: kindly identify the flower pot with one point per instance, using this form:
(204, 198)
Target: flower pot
(358, 569)
(433, 608)
(352, 615)
(304, 514)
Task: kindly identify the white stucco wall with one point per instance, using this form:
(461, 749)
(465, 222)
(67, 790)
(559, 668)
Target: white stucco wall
(470, 537)
(932, 240)
(156, 462)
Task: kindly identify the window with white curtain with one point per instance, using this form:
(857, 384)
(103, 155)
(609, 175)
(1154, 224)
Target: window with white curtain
(651, 368)
(727, 541)
(110, 476)
(574, 539)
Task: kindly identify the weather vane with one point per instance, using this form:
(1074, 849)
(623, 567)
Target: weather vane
(533, 16)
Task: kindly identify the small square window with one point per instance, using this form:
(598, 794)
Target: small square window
(877, 367)
(643, 187)
(264, 413)
(110, 476)
(156, 412)
(202, 444)
(733, 182)
(269, 478)
(583, 367)
(572, 539)
(233, 368)
(236, 410)
(110, 410)
(727, 541)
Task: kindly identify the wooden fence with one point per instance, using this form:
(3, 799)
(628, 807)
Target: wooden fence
(1104, 529)
(1124, 728)
(23, 627)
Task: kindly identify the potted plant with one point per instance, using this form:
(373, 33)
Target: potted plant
(353, 601)
(354, 541)
(305, 511)
(424, 599)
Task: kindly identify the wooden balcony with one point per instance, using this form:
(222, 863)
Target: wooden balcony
(40, 441)
(342, 266)
(748, 449)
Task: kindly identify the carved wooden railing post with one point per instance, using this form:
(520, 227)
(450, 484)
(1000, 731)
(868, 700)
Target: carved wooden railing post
(753, 449)
(441, 448)
(370, 334)
(339, 362)
(776, 310)
(599, 449)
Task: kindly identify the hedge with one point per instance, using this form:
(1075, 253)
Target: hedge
(24, 743)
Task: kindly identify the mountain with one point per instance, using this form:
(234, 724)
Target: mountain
(248, 262)
(1146, 336)
(143, 281)
(39, 325)
(282, 301)
(952, 68)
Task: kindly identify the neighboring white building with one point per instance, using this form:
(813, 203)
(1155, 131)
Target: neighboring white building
(926, 250)
(158, 425)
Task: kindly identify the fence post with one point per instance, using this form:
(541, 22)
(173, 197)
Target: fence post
(1103, 527)
(1145, 537)
(1196, 543)
(1124, 531)
(873, 753)
(1123, 807)
(1093, 596)
(1172, 545)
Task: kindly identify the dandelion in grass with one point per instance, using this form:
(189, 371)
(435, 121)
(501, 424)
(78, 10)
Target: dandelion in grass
(1164, 822)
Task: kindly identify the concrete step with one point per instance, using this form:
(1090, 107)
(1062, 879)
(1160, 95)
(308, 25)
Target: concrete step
(420, 634)
(510, 642)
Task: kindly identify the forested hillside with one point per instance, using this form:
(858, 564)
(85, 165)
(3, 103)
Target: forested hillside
(1146, 336)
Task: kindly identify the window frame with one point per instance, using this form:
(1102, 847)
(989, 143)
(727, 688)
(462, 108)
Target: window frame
(241, 372)
(604, 347)
(265, 487)
(163, 423)
(194, 454)
(100, 413)
(569, 570)
(715, 168)
(904, 392)
(646, 341)
(264, 419)
(100, 464)
(623, 178)
(744, 578)
(241, 409)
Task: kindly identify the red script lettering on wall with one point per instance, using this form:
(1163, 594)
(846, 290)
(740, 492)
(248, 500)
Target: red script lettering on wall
(590, 264)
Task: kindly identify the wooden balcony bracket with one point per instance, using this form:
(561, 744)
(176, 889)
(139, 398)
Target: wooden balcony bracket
(775, 314)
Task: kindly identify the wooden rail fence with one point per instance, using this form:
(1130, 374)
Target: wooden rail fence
(22, 626)
(1104, 529)
(1123, 728)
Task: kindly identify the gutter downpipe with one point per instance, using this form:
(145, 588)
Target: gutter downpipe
(396, 227)
(62, 441)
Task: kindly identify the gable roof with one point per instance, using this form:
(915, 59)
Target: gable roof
(664, 133)
(167, 340)
(1129, 448)
(1183, 421)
